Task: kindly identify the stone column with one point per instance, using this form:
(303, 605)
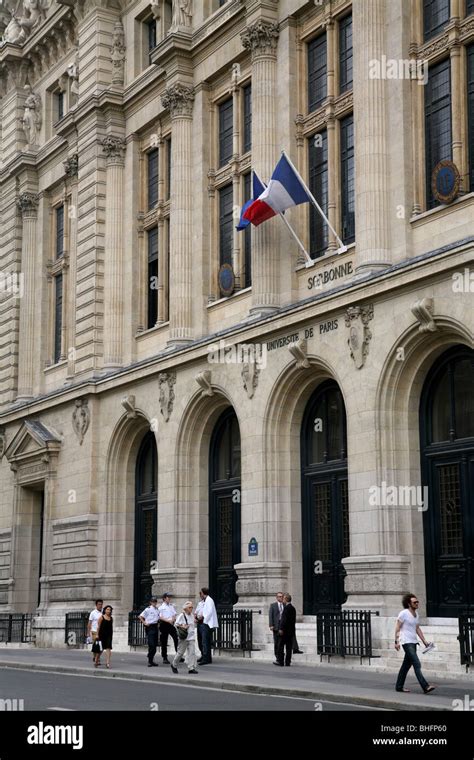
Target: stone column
(114, 148)
(71, 167)
(28, 206)
(371, 134)
(261, 38)
(179, 99)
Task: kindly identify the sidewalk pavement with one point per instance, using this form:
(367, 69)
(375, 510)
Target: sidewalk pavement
(324, 683)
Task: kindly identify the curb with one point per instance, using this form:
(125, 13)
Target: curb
(360, 700)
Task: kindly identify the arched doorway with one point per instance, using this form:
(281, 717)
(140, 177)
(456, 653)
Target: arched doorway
(146, 503)
(325, 502)
(224, 509)
(447, 461)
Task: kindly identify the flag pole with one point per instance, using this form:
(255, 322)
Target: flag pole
(342, 247)
(309, 261)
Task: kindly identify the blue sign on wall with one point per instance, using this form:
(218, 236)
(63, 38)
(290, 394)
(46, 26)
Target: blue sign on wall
(253, 547)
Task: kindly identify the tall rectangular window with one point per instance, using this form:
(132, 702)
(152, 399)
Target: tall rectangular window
(58, 316)
(435, 17)
(347, 179)
(152, 310)
(59, 103)
(226, 230)
(226, 112)
(318, 184)
(317, 72)
(469, 7)
(247, 280)
(438, 137)
(247, 118)
(151, 24)
(152, 158)
(59, 244)
(470, 106)
(345, 54)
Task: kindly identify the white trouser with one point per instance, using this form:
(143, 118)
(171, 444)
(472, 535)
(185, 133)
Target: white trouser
(189, 646)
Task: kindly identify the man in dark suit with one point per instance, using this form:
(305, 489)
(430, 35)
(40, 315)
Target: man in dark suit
(287, 631)
(276, 608)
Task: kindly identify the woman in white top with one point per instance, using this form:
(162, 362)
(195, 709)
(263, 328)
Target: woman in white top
(185, 622)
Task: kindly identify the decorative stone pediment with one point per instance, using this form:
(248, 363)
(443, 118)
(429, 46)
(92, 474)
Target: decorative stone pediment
(33, 451)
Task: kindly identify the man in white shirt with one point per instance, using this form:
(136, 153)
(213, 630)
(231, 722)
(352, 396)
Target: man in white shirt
(198, 620)
(209, 622)
(92, 627)
(167, 621)
(407, 630)
(150, 617)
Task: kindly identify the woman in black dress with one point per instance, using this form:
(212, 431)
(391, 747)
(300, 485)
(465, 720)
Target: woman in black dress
(105, 628)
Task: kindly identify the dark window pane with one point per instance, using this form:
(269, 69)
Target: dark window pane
(441, 414)
(247, 280)
(235, 448)
(318, 438)
(335, 414)
(347, 179)
(59, 231)
(247, 118)
(225, 131)
(435, 17)
(464, 398)
(58, 316)
(226, 229)
(152, 178)
(470, 106)
(469, 7)
(318, 184)
(317, 72)
(151, 34)
(322, 533)
(450, 510)
(147, 469)
(60, 105)
(152, 277)
(437, 121)
(345, 54)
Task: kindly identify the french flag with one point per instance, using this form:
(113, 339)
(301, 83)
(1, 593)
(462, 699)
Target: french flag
(258, 188)
(284, 191)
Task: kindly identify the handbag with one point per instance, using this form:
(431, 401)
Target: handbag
(182, 632)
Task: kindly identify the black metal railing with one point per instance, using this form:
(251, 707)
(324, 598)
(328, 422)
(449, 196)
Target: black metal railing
(466, 639)
(346, 633)
(16, 628)
(235, 632)
(136, 630)
(75, 629)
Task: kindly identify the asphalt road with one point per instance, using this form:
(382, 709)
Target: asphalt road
(58, 692)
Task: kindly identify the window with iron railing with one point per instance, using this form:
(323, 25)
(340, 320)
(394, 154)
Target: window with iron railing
(152, 304)
(226, 116)
(247, 97)
(226, 229)
(152, 184)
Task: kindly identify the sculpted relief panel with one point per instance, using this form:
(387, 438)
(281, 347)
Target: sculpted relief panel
(25, 18)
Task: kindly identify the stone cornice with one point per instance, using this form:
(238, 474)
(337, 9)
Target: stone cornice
(375, 287)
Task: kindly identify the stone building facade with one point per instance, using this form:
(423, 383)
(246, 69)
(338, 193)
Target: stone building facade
(163, 427)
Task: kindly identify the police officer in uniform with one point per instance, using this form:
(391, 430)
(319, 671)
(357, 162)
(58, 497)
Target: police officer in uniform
(150, 617)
